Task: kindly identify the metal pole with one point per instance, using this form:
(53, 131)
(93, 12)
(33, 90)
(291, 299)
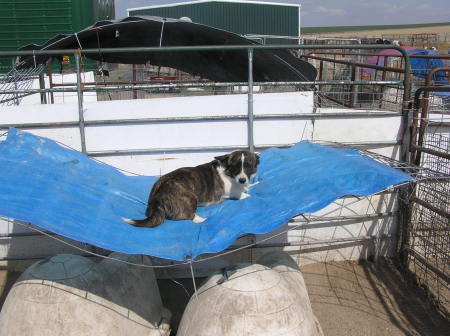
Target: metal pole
(42, 86)
(80, 104)
(251, 143)
(50, 83)
(16, 100)
(133, 69)
(353, 93)
(67, 87)
(405, 205)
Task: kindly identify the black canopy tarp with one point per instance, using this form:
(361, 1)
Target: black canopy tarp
(152, 31)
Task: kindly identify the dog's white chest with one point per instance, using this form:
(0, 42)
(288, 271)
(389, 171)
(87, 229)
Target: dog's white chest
(232, 189)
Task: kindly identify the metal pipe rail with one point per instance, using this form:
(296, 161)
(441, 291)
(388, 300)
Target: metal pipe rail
(197, 48)
(237, 247)
(356, 64)
(189, 85)
(424, 261)
(323, 242)
(381, 55)
(419, 130)
(317, 115)
(356, 218)
(218, 148)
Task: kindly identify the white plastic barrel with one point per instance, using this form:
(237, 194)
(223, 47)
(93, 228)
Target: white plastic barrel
(72, 295)
(266, 298)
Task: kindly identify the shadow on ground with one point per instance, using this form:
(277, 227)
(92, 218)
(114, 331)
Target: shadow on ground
(364, 298)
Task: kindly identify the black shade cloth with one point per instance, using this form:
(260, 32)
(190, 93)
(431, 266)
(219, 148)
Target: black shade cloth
(152, 31)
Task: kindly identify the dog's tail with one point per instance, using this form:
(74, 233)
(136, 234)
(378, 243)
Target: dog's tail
(157, 216)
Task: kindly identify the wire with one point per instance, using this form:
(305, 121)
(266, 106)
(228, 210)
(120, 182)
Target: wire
(79, 43)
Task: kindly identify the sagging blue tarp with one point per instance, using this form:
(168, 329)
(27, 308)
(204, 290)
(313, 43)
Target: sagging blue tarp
(65, 192)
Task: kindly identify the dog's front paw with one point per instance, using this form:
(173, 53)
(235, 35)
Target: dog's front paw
(198, 219)
(244, 196)
(251, 185)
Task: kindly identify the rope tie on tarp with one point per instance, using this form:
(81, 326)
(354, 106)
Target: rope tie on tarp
(162, 32)
(98, 44)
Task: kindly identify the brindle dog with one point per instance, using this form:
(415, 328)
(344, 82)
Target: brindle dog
(177, 194)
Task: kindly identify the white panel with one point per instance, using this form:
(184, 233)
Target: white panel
(69, 136)
(45, 113)
(61, 97)
(157, 164)
(356, 129)
(169, 135)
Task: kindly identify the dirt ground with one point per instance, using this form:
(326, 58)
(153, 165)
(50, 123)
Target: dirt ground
(352, 299)
(442, 45)
(365, 298)
(363, 33)
(348, 298)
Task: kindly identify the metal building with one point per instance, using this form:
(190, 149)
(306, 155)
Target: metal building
(26, 22)
(237, 16)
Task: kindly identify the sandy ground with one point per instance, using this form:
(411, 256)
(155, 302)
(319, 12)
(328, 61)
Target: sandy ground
(348, 298)
(352, 299)
(367, 33)
(369, 299)
(442, 45)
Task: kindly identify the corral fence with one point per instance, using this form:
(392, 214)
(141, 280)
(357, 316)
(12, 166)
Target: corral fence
(374, 66)
(420, 40)
(426, 244)
(382, 90)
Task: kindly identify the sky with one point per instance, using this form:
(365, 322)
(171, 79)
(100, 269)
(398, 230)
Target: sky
(316, 13)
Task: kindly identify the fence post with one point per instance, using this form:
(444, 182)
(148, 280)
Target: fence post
(134, 73)
(319, 87)
(42, 86)
(80, 103)
(251, 143)
(353, 92)
(16, 99)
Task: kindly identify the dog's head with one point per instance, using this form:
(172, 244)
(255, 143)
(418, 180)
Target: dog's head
(239, 165)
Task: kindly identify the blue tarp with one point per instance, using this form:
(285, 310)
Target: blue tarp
(65, 192)
(422, 66)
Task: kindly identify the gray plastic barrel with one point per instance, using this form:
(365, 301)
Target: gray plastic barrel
(266, 298)
(72, 295)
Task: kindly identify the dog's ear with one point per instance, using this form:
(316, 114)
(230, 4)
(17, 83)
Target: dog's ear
(223, 159)
(257, 159)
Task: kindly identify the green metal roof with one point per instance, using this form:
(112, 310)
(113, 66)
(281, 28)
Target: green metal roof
(34, 21)
(24, 22)
(241, 17)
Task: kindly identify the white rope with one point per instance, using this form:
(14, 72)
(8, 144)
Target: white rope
(193, 279)
(76, 36)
